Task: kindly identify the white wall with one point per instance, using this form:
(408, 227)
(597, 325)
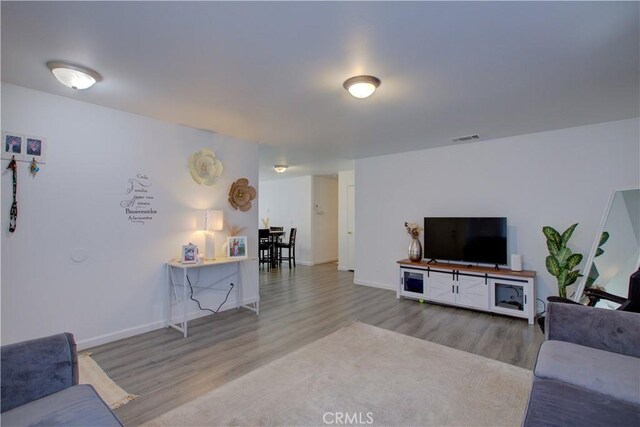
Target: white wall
(325, 219)
(287, 203)
(345, 179)
(74, 203)
(550, 178)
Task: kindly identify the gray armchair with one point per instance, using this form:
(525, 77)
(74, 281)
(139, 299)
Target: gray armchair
(588, 369)
(40, 386)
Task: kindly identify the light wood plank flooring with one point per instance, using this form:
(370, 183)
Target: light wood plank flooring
(298, 306)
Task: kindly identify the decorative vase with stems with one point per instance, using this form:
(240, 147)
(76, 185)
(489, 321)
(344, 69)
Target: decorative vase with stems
(415, 247)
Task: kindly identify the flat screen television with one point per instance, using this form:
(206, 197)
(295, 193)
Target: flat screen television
(476, 240)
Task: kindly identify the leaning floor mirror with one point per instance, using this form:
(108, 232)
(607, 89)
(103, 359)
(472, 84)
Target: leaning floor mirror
(615, 254)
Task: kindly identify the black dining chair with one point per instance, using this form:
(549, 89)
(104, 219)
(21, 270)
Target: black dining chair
(277, 229)
(264, 247)
(281, 237)
(291, 247)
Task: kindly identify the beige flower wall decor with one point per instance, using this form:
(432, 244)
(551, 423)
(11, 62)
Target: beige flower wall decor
(241, 195)
(205, 167)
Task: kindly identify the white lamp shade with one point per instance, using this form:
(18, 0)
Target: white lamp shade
(213, 220)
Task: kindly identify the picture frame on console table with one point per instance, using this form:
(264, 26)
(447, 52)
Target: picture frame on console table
(237, 247)
(189, 254)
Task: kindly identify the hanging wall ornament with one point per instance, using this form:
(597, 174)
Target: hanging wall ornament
(34, 167)
(13, 213)
(204, 167)
(241, 195)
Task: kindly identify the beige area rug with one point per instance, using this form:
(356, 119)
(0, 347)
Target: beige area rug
(371, 375)
(91, 373)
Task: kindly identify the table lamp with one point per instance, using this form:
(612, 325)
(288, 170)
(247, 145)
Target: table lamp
(213, 221)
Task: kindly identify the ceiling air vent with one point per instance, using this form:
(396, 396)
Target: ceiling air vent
(466, 138)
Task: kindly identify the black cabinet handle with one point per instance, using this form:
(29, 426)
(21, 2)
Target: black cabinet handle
(452, 286)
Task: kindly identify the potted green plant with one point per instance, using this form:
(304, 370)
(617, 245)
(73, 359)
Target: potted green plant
(561, 262)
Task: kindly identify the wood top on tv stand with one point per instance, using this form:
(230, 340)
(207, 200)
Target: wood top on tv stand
(471, 268)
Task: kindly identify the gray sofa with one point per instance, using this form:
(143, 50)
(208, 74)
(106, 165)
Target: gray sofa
(40, 386)
(588, 369)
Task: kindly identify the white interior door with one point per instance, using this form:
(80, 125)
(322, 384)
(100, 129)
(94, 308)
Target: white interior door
(351, 227)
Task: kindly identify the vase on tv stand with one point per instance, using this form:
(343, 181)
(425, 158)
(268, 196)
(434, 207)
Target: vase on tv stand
(415, 250)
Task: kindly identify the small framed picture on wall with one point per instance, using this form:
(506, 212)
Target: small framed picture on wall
(35, 148)
(237, 247)
(189, 254)
(13, 144)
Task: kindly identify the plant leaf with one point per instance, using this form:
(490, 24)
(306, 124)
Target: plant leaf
(563, 255)
(573, 261)
(572, 277)
(553, 247)
(553, 266)
(599, 252)
(567, 234)
(603, 238)
(551, 234)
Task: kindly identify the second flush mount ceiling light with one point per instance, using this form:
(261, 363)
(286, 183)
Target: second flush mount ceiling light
(280, 168)
(362, 86)
(73, 76)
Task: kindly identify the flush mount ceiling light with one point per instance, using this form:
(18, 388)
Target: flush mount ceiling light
(362, 86)
(73, 76)
(280, 168)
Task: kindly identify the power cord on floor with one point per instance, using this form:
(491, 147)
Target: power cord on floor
(198, 302)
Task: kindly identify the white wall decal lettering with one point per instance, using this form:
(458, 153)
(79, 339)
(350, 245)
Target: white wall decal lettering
(138, 206)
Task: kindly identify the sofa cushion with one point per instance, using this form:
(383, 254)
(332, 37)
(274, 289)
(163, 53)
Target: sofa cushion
(554, 403)
(37, 368)
(601, 371)
(79, 405)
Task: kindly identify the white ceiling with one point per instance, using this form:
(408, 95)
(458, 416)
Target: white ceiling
(273, 72)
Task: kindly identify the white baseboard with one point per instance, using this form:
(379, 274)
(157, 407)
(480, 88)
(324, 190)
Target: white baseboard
(342, 268)
(148, 327)
(325, 261)
(312, 263)
(118, 335)
(375, 284)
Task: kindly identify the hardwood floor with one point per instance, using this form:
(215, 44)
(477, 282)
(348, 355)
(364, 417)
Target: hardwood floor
(298, 306)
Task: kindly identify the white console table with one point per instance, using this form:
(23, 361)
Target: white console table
(183, 270)
(503, 291)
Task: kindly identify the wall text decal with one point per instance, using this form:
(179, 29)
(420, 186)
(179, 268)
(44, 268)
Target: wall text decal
(138, 206)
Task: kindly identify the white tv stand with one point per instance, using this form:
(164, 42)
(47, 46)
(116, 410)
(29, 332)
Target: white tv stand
(503, 291)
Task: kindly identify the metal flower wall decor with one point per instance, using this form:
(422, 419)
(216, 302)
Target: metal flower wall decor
(241, 195)
(205, 167)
